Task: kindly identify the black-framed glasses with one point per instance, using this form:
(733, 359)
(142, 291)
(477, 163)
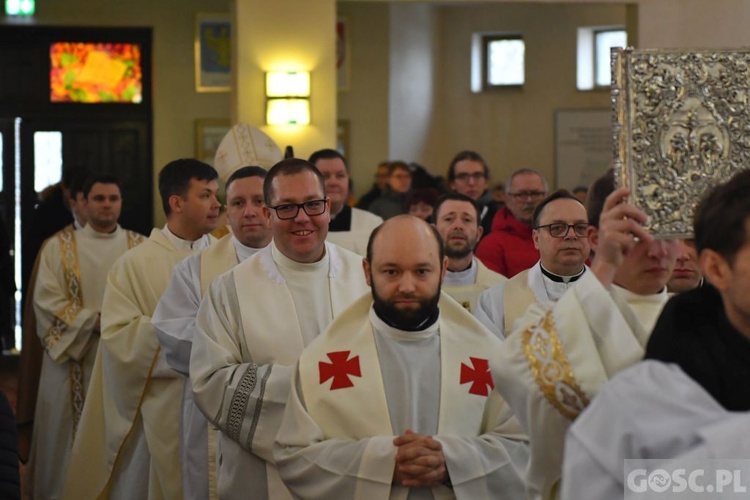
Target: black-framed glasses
(290, 210)
(561, 230)
(465, 176)
(527, 194)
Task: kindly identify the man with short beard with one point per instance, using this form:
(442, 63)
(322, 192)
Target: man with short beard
(395, 398)
(457, 221)
(561, 236)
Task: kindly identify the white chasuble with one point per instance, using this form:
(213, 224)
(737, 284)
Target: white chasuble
(127, 445)
(558, 358)
(68, 294)
(246, 343)
(336, 439)
(468, 294)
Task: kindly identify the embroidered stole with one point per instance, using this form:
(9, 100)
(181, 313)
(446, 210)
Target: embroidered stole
(63, 318)
(361, 410)
(570, 369)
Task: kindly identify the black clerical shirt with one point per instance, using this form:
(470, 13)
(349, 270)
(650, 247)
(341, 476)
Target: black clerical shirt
(343, 220)
(693, 331)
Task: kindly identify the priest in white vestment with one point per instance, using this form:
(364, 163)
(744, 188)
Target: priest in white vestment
(67, 300)
(174, 318)
(350, 227)
(561, 236)
(558, 357)
(457, 220)
(255, 320)
(127, 444)
(395, 399)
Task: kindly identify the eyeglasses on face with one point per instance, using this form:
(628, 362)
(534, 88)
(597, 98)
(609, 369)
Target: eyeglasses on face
(527, 194)
(290, 210)
(560, 230)
(465, 176)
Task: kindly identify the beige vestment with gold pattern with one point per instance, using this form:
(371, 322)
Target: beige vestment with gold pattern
(127, 444)
(558, 358)
(68, 292)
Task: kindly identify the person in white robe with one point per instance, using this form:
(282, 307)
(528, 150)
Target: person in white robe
(350, 227)
(395, 399)
(127, 445)
(174, 318)
(32, 352)
(561, 236)
(67, 300)
(558, 357)
(654, 411)
(690, 405)
(255, 320)
(457, 220)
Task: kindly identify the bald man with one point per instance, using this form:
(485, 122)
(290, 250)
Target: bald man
(372, 415)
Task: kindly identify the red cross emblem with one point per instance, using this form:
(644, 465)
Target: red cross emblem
(339, 369)
(479, 375)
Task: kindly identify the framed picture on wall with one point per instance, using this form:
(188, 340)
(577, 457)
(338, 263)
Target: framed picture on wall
(343, 54)
(208, 135)
(213, 52)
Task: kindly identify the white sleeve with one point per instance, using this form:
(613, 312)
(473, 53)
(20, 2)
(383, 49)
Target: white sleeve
(174, 317)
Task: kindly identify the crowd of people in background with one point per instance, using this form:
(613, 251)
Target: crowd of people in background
(438, 338)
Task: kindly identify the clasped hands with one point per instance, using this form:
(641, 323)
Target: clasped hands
(419, 461)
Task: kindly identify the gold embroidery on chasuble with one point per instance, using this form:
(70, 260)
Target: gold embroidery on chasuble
(72, 276)
(134, 239)
(551, 368)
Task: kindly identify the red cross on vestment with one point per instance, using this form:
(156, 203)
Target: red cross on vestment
(339, 369)
(479, 376)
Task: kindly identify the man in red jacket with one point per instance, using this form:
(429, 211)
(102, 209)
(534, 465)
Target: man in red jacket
(509, 248)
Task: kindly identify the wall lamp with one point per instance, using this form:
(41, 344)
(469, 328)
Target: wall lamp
(288, 98)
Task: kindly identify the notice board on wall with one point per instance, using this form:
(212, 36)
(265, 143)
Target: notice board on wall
(583, 146)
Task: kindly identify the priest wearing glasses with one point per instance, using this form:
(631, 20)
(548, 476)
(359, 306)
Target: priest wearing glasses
(560, 235)
(255, 320)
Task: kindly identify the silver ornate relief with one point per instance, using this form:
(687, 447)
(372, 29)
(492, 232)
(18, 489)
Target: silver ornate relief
(681, 126)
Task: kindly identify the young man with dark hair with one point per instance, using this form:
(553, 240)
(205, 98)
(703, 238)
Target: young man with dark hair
(174, 317)
(688, 401)
(127, 445)
(67, 303)
(350, 227)
(457, 221)
(255, 320)
(561, 236)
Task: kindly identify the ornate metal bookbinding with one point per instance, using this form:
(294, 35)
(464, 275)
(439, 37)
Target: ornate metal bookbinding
(681, 126)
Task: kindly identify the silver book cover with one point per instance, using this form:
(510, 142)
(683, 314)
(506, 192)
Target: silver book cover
(681, 125)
